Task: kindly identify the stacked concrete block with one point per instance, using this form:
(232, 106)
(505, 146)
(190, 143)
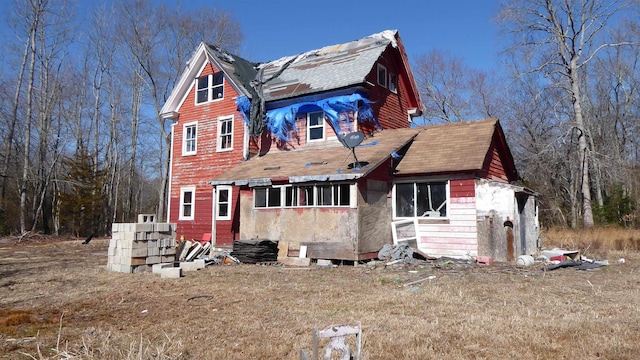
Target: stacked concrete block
(135, 247)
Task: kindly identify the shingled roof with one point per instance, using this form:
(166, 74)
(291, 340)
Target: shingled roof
(457, 147)
(330, 162)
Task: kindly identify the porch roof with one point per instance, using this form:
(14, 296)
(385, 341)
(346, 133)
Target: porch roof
(327, 162)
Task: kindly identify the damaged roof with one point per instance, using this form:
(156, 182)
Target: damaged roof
(326, 163)
(451, 147)
(329, 68)
(447, 148)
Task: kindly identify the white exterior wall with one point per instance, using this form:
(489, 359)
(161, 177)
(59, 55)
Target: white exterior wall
(494, 196)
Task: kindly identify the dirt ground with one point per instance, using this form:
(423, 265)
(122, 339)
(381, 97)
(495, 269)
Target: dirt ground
(58, 301)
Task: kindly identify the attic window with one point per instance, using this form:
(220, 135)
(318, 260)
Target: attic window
(382, 75)
(209, 88)
(393, 82)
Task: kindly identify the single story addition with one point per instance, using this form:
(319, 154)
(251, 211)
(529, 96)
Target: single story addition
(449, 190)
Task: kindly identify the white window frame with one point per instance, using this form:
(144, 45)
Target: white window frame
(335, 196)
(186, 140)
(219, 141)
(415, 183)
(321, 126)
(382, 78)
(228, 203)
(393, 83)
(209, 88)
(281, 197)
(183, 191)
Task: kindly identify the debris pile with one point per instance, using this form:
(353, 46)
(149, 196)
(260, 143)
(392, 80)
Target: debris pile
(255, 251)
(558, 259)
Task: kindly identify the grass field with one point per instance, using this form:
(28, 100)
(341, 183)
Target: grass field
(57, 301)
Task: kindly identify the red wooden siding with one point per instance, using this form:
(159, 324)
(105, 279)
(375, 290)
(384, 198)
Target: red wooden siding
(196, 170)
(391, 109)
(494, 166)
(462, 188)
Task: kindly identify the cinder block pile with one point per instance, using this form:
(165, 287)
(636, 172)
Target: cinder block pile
(135, 247)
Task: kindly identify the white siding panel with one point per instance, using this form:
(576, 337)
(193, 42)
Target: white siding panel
(457, 238)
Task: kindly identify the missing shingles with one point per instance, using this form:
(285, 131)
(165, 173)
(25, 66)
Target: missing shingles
(272, 168)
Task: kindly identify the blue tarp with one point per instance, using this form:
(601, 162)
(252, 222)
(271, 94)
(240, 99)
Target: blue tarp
(282, 121)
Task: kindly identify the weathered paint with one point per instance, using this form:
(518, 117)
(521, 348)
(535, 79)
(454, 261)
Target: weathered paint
(196, 170)
(497, 202)
(458, 236)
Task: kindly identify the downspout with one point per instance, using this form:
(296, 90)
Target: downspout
(214, 204)
(245, 142)
(170, 172)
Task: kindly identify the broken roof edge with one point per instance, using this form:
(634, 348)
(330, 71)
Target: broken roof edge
(386, 35)
(292, 179)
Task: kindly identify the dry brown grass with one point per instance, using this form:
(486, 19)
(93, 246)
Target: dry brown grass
(57, 301)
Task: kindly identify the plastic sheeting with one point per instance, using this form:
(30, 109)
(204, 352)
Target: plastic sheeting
(281, 122)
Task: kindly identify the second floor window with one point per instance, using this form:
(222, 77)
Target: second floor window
(189, 139)
(209, 88)
(225, 133)
(315, 126)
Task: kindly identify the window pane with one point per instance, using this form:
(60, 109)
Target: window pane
(187, 197)
(260, 198)
(223, 210)
(290, 196)
(305, 194)
(324, 195)
(186, 210)
(315, 134)
(316, 118)
(404, 200)
(274, 197)
(345, 195)
(217, 93)
(432, 199)
(223, 196)
(217, 78)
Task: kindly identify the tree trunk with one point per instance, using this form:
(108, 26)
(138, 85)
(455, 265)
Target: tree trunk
(583, 150)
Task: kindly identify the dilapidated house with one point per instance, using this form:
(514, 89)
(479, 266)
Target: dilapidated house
(260, 151)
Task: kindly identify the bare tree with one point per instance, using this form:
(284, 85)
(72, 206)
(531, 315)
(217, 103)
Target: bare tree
(155, 38)
(558, 38)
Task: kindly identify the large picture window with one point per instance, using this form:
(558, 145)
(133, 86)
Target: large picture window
(421, 199)
(209, 88)
(187, 202)
(326, 195)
